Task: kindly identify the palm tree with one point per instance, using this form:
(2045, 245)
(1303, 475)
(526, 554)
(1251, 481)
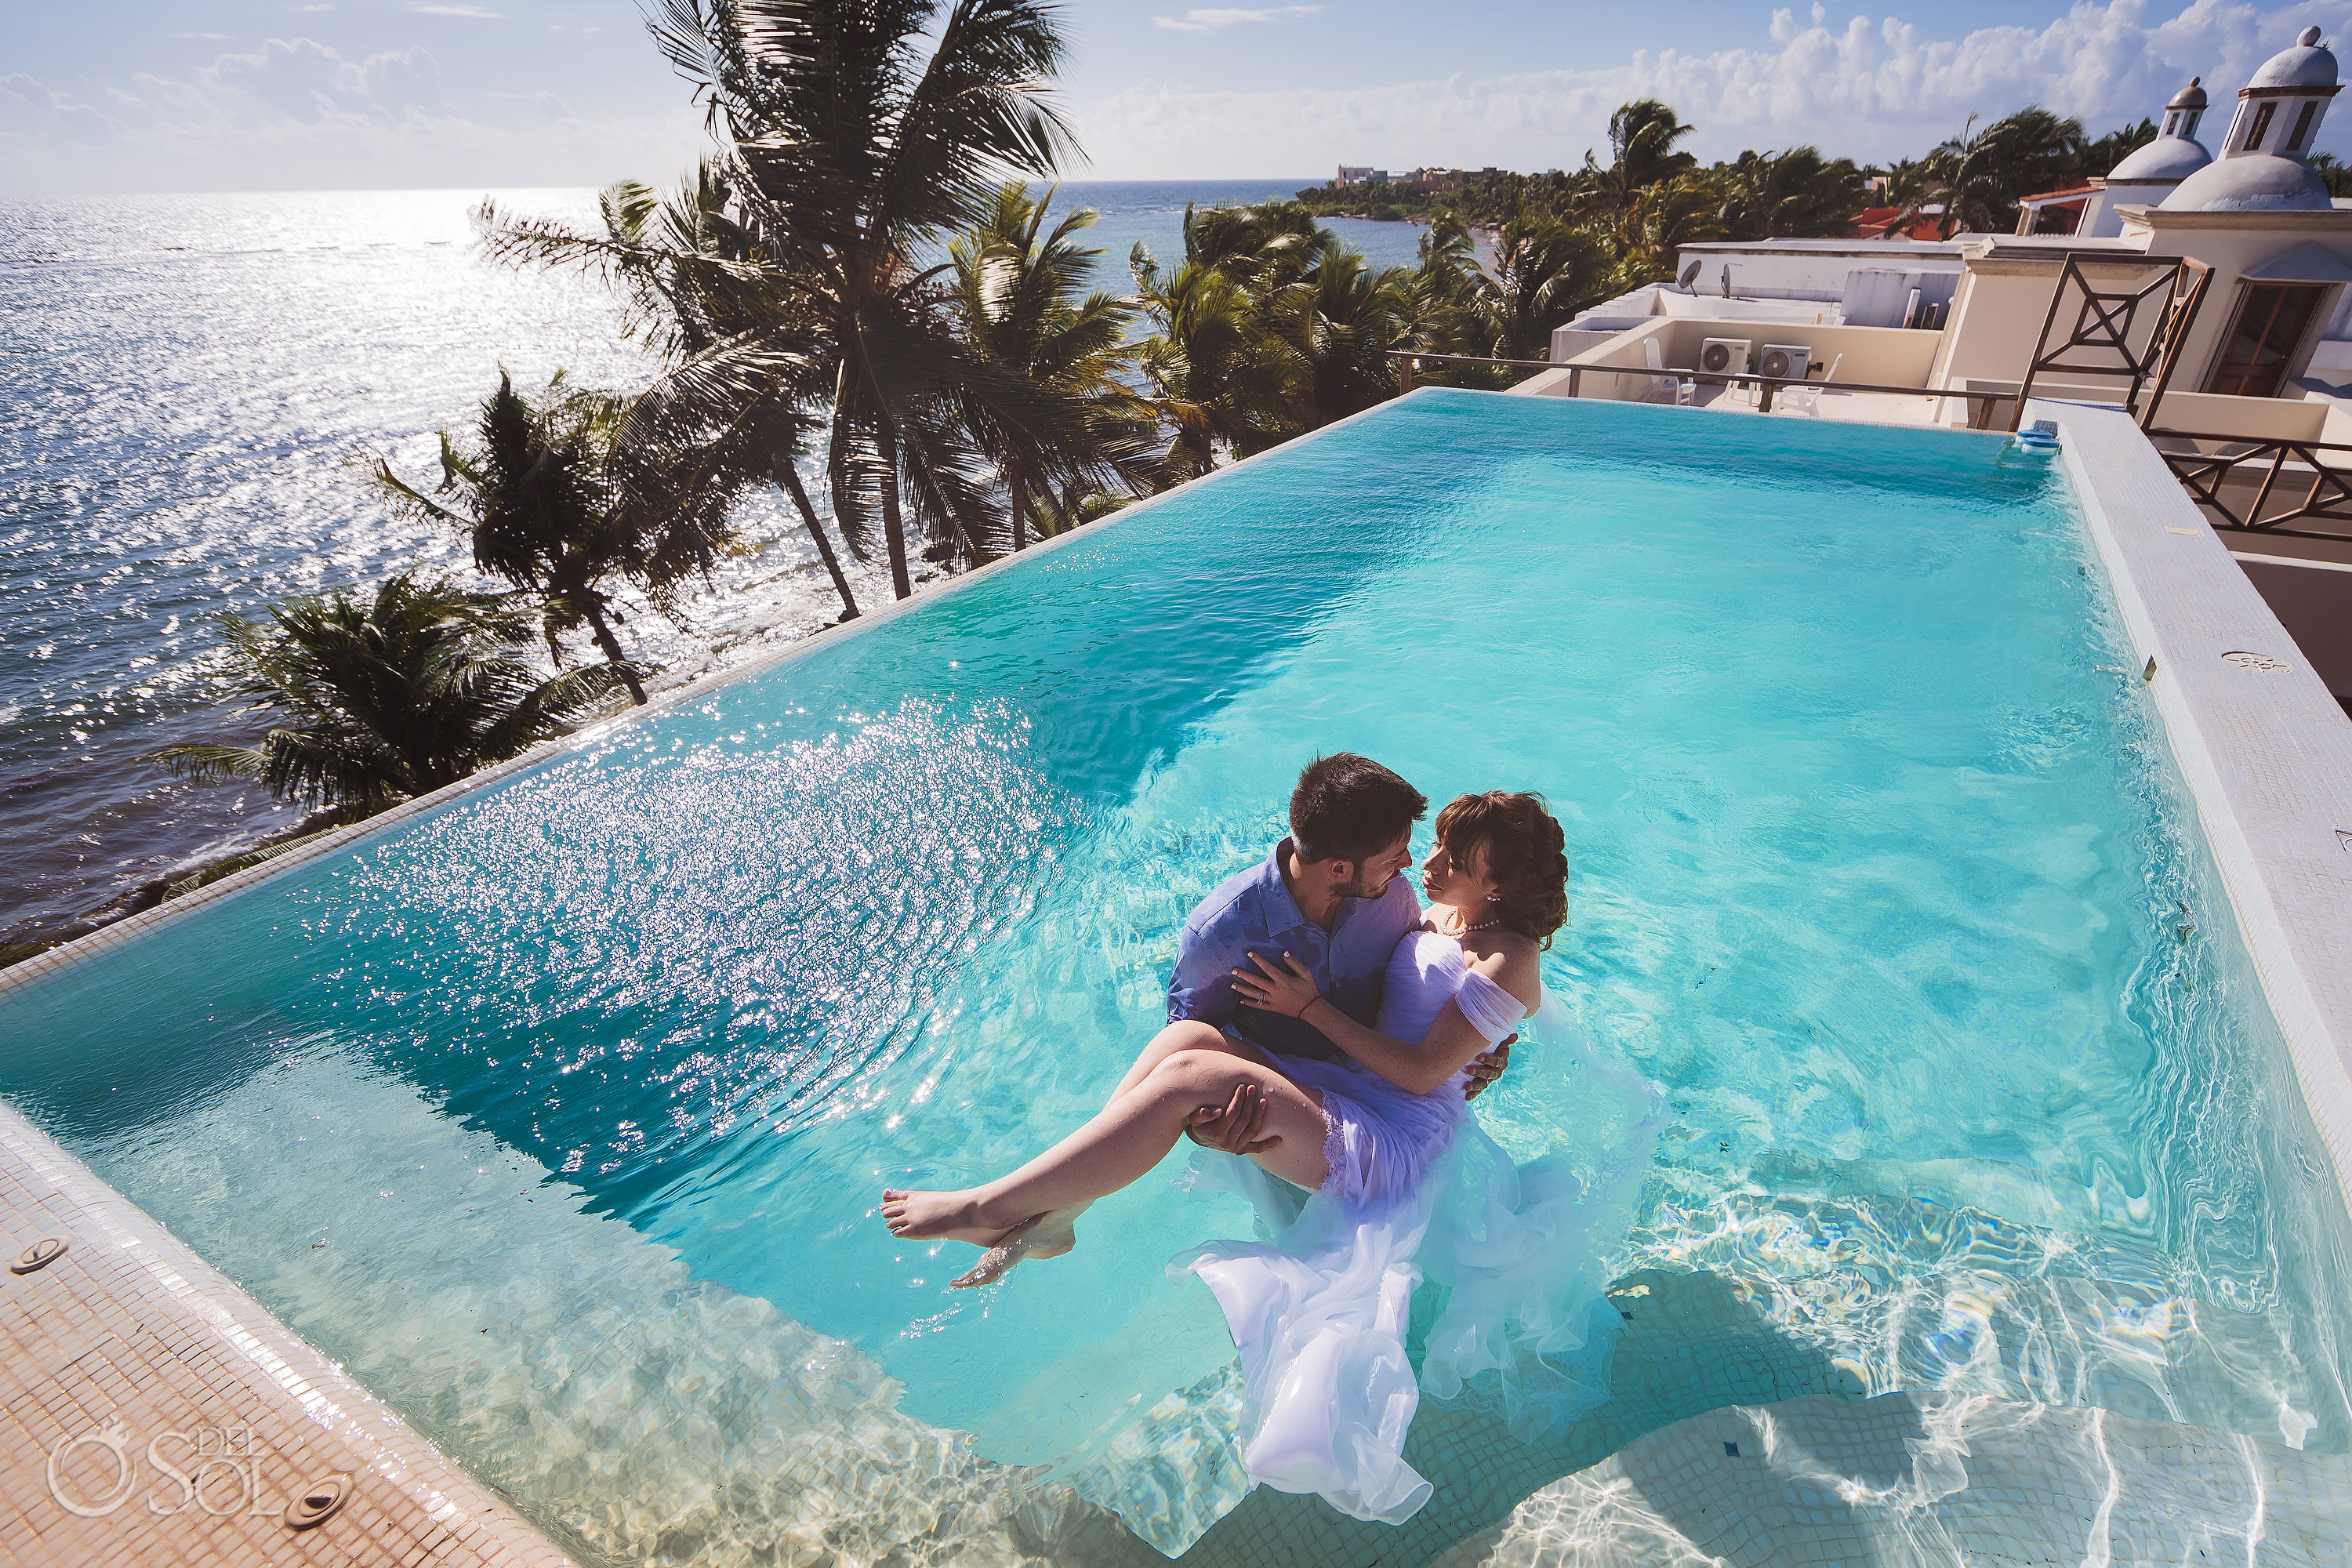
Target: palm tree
(1228, 364)
(548, 509)
(1795, 194)
(1544, 273)
(855, 134)
(1020, 306)
(1650, 230)
(1984, 175)
(735, 404)
(383, 701)
(1343, 319)
(1642, 137)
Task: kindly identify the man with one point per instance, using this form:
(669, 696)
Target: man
(1331, 897)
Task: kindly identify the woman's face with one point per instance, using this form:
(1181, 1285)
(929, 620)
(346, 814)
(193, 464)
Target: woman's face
(1459, 881)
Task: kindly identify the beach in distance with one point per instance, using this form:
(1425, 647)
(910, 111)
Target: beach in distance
(194, 385)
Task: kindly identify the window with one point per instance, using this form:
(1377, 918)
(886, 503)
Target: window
(2271, 319)
(2302, 126)
(2262, 123)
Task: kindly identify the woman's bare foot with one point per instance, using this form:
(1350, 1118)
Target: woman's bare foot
(1048, 1235)
(934, 1216)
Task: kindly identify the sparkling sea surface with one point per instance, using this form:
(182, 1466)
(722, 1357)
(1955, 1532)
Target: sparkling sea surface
(191, 385)
(560, 1116)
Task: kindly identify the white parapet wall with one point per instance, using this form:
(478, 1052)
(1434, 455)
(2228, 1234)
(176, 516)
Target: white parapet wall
(2264, 745)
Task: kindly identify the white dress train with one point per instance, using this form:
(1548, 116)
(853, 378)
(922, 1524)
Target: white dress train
(1319, 1314)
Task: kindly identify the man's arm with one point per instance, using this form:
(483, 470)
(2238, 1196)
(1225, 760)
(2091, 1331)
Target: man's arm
(1201, 985)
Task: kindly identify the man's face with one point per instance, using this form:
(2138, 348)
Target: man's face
(1371, 878)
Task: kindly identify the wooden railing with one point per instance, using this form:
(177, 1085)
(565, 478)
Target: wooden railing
(1767, 385)
(2327, 497)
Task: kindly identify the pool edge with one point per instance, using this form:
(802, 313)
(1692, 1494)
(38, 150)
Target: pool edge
(128, 1331)
(2267, 753)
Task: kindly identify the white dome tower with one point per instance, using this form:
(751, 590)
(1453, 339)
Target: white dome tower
(2264, 158)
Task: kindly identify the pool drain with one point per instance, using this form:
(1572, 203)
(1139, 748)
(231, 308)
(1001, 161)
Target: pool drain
(40, 1255)
(319, 1502)
(2244, 660)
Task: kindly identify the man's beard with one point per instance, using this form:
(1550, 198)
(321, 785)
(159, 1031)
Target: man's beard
(1358, 886)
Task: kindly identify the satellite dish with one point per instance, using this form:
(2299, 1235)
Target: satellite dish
(1689, 273)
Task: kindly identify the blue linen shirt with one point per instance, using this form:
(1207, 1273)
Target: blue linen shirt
(1252, 912)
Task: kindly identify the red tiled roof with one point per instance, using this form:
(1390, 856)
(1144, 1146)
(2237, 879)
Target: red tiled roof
(2072, 196)
(1873, 221)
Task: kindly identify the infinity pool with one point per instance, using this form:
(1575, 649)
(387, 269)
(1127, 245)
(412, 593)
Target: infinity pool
(559, 1115)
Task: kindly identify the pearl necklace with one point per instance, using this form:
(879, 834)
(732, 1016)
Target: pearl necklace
(1465, 930)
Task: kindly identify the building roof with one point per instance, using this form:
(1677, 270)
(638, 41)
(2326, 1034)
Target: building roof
(2305, 65)
(1873, 221)
(2306, 263)
(2165, 161)
(1910, 252)
(2190, 97)
(2253, 182)
(2072, 196)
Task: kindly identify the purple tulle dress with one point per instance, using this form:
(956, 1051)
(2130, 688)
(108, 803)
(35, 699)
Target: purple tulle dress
(1320, 1314)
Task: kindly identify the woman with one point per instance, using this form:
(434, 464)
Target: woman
(1319, 1315)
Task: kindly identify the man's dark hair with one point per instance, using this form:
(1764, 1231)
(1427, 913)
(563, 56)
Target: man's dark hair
(1348, 807)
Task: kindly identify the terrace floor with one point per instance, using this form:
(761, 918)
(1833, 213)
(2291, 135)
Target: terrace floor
(126, 1363)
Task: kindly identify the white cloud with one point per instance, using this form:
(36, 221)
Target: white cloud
(1209, 20)
(1871, 88)
(295, 114)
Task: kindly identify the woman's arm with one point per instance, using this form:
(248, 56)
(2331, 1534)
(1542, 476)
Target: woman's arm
(1448, 1046)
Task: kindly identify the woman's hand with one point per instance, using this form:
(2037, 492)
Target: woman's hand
(1288, 990)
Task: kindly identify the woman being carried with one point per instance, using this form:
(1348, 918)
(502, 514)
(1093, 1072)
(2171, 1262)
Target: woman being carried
(1320, 1316)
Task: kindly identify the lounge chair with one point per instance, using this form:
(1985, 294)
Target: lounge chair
(1666, 387)
(1809, 398)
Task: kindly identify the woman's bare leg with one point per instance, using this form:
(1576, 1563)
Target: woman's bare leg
(1126, 1139)
(1186, 1036)
(1054, 1233)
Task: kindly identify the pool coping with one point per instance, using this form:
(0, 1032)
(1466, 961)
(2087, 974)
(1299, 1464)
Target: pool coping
(128, 1340)
(2266, 751)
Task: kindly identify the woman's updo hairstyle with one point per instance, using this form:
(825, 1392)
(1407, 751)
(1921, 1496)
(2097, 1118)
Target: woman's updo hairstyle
(1527, 858)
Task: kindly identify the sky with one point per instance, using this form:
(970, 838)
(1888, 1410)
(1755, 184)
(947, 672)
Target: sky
(219, 95)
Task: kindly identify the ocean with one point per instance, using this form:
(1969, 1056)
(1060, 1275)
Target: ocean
(195, 385)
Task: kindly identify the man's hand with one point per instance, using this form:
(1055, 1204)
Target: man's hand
(1486, 1067)
(1236, 1129)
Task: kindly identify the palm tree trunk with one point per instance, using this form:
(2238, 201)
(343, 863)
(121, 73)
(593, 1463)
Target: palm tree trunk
(894, 529)
(791, 475)
(611, 647)
(1020, 505)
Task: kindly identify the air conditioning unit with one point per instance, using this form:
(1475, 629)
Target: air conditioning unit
(1785, 362)
(1723, 356)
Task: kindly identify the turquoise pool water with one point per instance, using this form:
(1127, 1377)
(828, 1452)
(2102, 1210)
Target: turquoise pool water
(560, 1115)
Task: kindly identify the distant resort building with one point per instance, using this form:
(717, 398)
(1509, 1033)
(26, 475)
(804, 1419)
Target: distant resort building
(1420, 181)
